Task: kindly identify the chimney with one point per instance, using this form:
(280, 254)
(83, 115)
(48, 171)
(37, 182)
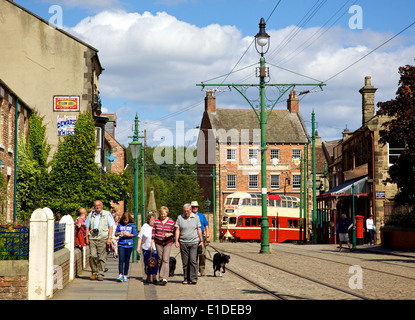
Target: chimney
(293, 103)
(210, 101)
(368, 101)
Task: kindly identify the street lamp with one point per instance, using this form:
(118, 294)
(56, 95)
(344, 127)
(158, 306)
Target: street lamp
(262, 39)
(262, 46)
(135, 147)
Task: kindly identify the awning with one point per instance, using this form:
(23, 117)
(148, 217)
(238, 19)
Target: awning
(361, 188)
(274, 197)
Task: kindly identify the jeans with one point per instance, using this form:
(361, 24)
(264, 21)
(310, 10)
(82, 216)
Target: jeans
(124, 255)
(189, 259)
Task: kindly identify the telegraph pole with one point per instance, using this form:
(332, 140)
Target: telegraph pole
(262, 46)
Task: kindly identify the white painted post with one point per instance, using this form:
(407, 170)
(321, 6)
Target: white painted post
(70, 242)
(38, 255)
(50, 251)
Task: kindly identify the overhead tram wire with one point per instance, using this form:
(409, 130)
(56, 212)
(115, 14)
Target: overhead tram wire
(319, 33)
(227, 75)
(293, 33)
(369, 53)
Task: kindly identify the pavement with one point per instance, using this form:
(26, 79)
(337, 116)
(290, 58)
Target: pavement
(82, 288)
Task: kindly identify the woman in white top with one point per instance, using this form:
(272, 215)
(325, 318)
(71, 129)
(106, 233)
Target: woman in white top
(369, 227)
(144, 242)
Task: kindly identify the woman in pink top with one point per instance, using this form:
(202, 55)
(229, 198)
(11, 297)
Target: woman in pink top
(163, 234)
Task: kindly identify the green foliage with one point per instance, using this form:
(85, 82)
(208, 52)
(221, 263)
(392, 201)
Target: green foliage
(31, 169)
(402, 216)
(400, 131)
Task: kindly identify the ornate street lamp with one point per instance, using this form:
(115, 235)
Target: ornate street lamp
(262, 39)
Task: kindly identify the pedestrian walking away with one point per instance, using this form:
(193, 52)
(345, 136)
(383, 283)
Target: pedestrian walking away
(188, 238)
(204, 227)
(343, 227)
(163, 235)
(144, 242)
(126, 231)
(99, 224)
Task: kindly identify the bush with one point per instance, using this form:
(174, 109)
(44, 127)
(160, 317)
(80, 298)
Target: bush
(403, 216)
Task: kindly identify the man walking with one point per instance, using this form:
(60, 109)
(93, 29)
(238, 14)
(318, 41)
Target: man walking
(99, 224)
(204, 227)
(188, 238)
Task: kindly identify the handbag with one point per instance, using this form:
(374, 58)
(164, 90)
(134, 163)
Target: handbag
(151, 261)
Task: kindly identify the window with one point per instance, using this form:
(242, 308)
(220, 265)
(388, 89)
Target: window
(231, 154)
(275, 181)
(246, 202)
(296, 154)
(240, 222)
(275, 154)
(235, 201)
(292, 223)
(253, 154)
(253, 181)
(231, 181)
(247, 222)
(394, 153)
(296, 181)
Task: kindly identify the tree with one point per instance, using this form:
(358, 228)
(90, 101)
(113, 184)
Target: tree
(32, 168)
(400, 131)
(75, 180)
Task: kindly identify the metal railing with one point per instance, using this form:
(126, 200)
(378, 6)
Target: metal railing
(59, 236)
(14, 242)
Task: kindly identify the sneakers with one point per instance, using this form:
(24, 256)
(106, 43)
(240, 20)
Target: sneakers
(164, 282)
(120, 278)
(125, 278)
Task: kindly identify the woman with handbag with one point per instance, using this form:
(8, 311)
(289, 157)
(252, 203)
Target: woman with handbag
(163, 234)
(149, 249)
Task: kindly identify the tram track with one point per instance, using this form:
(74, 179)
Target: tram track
(292, 273)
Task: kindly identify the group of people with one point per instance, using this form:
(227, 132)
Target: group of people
(189, 232)
(344, 225)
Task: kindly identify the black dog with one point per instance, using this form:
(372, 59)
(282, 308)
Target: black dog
(219, 260)
(172, 266)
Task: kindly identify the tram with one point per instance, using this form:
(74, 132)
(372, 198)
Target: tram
(241, 219)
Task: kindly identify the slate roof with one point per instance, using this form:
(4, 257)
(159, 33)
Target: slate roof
(282, 126)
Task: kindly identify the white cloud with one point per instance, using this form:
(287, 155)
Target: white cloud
(155, 61)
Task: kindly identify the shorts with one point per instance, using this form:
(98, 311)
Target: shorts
(343, 237)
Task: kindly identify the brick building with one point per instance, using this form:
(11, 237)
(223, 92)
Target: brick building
(229, 145)
(360, 160)
(9, 102)
(115, 154)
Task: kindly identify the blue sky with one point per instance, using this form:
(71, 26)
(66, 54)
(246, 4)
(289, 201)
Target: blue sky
(155, 52)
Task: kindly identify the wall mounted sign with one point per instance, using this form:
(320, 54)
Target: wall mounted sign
(66, 125)
(65, 103)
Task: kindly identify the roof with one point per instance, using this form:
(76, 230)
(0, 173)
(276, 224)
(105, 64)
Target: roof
(282, 126)
(345, 189)
(55, 27)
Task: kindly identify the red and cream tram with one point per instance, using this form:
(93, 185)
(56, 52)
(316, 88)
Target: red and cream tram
(241, 219)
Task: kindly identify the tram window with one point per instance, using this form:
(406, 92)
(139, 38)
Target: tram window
(228, 201)
(240, 222)
(253, 202)
(247, 222)
(246, 202)
(254, 222)
(292, 223)
(295, 204)
(274, 223)
(284, 203)
(278, 203)
(235, 200)
(272, 203)
(224, 220)
(289, 204)
(232, 220)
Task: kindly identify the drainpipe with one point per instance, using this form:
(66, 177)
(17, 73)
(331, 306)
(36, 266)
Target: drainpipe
(16, 132)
